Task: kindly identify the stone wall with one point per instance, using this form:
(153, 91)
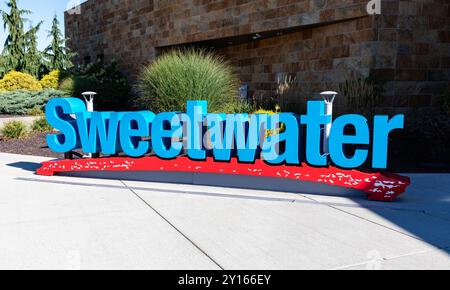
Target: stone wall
(321, 42)
(131, 30)
(412, 52)
(318, 58)
(113, 30)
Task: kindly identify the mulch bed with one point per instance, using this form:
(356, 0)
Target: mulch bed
(34, 144)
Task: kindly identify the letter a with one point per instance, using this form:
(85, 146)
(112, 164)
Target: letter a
(374, 7)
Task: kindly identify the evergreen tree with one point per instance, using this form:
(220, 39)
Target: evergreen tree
(58, 56)
(2, 66)
(14, 48)
(33, 57)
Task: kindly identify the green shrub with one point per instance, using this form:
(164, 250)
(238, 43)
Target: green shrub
(66, 85)
(41, 125)
(238, 106)
(19, 81)
(51, 80)
(14, 130)
(110, 84)
(36, 111)
(21, 102)
(181, 75)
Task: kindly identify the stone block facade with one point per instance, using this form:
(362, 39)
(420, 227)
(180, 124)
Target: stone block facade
(320, 42)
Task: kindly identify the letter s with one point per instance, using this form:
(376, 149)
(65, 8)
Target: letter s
(58, 112)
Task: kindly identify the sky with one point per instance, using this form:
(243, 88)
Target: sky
(42, 10)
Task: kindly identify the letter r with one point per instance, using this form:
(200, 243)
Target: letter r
(383, 126)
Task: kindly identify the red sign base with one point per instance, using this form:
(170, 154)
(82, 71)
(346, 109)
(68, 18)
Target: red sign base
(378, 186)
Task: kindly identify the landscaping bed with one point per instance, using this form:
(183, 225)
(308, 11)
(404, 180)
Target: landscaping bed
(33, 144)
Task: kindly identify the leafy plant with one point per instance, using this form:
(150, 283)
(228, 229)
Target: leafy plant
(264, 102)
(67, 85)
(21, 102)
(288, 97)
(41, 125)
(110, 84)
(181, 75)
(430, 130)
(272, 132)
(434, 128)
(267, 112)
(36, 111)
(239, 106)
(51, 80)
(19, 81)
(14, 130)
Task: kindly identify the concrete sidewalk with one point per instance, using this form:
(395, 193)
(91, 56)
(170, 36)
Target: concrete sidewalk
(78, 223)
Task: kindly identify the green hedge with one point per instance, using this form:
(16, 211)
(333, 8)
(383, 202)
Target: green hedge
(22, 102)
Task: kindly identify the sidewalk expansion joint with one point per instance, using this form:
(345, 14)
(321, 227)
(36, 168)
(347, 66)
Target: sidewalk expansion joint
(376, 223)
(172, 225)
(385, 259)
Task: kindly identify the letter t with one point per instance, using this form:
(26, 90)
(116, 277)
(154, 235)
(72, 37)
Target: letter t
(314, 119)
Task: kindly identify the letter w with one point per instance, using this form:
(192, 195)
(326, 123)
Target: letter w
(99, 132)
(242, 131)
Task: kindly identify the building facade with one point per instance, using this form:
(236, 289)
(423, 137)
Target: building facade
(319, 42)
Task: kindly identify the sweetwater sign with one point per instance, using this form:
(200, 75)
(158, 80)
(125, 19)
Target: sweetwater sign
(281, 145)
